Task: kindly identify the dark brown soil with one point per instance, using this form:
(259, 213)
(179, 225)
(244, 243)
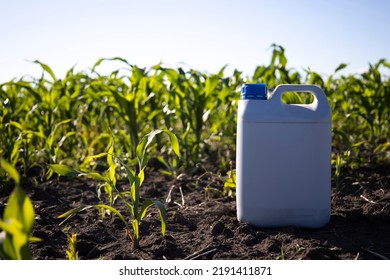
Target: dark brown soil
(202, 227)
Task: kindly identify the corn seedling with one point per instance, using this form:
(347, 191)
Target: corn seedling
(229, 187)
(131, 198)
(71, 252)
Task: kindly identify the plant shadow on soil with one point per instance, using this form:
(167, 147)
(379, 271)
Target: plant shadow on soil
(207, 228)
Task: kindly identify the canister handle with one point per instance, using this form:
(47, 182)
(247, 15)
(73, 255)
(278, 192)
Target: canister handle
(319, 95)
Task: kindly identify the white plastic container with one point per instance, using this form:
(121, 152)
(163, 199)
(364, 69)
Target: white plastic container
(283, 163)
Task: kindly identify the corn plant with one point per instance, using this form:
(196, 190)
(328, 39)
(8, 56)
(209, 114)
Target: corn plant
(71, 252)
(230, 184)
(47, 120)
(130, 198)
(200, 103)
(18, 221)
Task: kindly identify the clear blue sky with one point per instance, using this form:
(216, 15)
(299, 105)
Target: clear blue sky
(203, 34)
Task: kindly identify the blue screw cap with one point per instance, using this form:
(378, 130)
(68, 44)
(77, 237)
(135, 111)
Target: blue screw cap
(254, 91)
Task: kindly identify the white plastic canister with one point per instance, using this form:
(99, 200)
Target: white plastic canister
(283, 163)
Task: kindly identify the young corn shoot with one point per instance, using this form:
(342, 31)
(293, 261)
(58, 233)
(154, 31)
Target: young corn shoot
(72, 253)
(136, 209)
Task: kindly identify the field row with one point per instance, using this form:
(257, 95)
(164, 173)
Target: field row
(48, 120)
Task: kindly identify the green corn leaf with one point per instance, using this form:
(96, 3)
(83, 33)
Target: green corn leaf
(73, 211)
(154, 114)
(47, 69)
(67, 136)
(230, 183)
(382, 147)
(109, 189)
(97, 64)
(10, 170)
(110, 155)
(131, 209)
(340, 67)
(64, 170)
(172, 75)
(63, 122)
(20, 208)
(87, 161)
(53, 133)
(28, 87)
(135, 226)
(18, 221)
(112, 165)
(109, 59)
(15, 244)
(135, 191)
(149, 138)
(141, 176)
(386, 63)
(210, 84)
(174, 142)
(112, 173)
(145, 142)
(338, 165)
(96, 176)
(222, 70)
(89, 158)
(17, 225)
(292, 98)
(359, 144)
(111, 209)
(163, 215)
(130, 174)
(283, 59)
(144, 208)
(11, 226)
(141, 148)
(72, 252)
(34, 239)
(16, 124)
